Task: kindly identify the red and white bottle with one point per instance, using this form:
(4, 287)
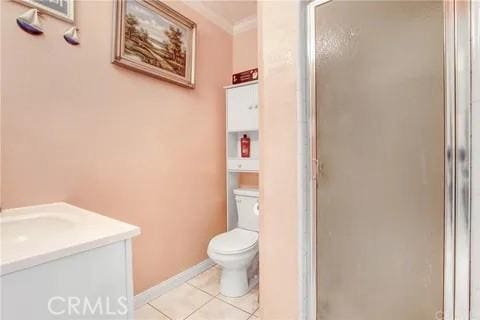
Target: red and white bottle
(245, 146)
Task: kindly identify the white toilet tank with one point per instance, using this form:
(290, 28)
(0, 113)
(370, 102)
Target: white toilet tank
(247, 208)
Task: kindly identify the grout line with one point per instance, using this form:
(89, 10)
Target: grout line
(195, 287)
(234, 306)
(217, 296)
(159, 310)
(198, 275)
(194, 311)
(212, 297)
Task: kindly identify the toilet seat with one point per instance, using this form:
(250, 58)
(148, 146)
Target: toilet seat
(234, 241)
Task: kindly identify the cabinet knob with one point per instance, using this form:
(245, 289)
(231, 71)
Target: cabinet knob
(239, 165)
(250, 108)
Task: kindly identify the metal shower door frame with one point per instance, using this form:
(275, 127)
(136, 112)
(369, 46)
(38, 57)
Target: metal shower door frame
(457, 170)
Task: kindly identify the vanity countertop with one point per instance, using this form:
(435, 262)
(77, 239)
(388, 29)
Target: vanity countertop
(33, 235)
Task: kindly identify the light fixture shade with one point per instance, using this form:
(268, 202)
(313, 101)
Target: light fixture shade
(30, 22)
(71, 36)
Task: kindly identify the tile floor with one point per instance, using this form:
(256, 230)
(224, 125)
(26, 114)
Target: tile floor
(200, 299)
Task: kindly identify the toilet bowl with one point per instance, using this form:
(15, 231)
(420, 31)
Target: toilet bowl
(235, 250)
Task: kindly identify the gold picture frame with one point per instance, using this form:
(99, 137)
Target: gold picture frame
(152, 38)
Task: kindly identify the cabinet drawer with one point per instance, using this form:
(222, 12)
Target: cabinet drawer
(243, 164)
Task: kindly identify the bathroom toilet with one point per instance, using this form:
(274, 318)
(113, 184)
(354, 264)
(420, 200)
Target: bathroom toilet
(235, 250)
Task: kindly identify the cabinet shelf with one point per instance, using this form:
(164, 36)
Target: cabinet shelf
(242, 158)
(233, 144)
(235, 131)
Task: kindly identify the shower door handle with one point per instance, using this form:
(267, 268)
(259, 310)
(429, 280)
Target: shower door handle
(317, 170)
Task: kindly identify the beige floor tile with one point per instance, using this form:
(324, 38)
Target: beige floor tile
(148, 313)
(208, 281)
(257, 313)
(178, 303)
(218, 310)
(248, 302)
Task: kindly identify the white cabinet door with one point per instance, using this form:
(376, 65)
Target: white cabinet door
(242, 108)
(98, 280)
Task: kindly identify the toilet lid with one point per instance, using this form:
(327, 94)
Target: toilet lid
(234, 241)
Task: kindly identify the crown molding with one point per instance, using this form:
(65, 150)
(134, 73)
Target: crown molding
(246, 24)
(211, 15)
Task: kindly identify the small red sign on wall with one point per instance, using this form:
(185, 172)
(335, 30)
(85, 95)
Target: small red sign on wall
(245, 76)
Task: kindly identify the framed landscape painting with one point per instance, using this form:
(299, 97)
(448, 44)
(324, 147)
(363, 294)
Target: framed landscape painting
(62, 9)
(152, 38)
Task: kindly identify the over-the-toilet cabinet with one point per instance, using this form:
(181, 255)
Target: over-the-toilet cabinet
(242, 118)
(242, 108)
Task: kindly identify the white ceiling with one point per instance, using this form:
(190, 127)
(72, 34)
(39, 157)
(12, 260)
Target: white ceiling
(234, 11)
(233, 16)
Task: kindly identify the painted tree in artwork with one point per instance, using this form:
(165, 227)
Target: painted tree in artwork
(174, 45)
(131, 23)
(144, 35)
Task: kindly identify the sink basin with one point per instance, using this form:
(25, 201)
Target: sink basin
(37, 234)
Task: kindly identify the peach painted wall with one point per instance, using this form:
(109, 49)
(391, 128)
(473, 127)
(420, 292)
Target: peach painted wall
(76, 128)
(248, 180)
(245, 50)
(278, 59)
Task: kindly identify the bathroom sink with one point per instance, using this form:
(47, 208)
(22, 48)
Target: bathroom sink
(33, 235)
(18, 230)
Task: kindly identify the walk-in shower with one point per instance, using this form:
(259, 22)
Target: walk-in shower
(390, 106)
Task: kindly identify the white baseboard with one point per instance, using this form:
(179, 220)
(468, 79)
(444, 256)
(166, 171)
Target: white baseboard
(173, 282)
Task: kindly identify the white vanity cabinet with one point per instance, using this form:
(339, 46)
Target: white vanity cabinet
(242, 119)
(61, 262)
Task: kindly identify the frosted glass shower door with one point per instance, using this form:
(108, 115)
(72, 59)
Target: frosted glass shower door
(380, 146)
